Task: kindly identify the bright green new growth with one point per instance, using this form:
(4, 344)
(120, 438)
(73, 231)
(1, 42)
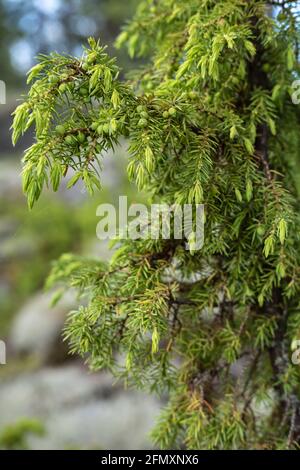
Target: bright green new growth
(209, 120)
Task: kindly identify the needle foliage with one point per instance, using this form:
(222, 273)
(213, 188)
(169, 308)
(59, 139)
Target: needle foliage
(209, 119)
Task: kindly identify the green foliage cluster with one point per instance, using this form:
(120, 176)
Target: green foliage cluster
(210, 120)
(14, 436)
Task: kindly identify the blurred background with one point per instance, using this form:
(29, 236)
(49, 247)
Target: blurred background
(49, 400)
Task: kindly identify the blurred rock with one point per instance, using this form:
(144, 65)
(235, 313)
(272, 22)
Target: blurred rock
(99, 249)
(8, 226)
(14, 247)
(10, 179)
(37, 328)
(79, 409)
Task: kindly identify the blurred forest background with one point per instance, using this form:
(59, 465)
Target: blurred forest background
(47, 399)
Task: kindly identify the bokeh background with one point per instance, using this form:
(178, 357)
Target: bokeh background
(48, 399)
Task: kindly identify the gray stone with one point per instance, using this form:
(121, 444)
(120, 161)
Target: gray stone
(37, 328)
(79, 409)
(10, 179)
